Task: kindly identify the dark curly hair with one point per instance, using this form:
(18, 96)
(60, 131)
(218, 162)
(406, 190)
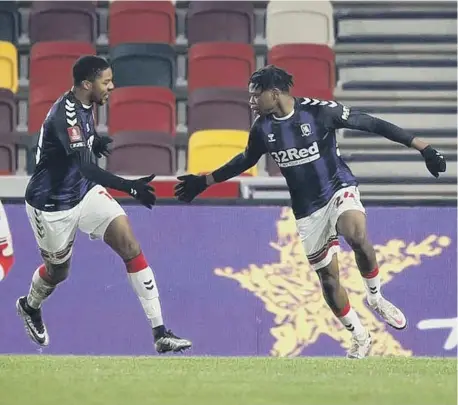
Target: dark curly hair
(270, 77)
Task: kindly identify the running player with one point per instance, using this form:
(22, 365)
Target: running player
(6, 245)
(299, 133)
(67, 192)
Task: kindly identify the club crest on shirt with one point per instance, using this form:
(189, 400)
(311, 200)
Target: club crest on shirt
(306, 129)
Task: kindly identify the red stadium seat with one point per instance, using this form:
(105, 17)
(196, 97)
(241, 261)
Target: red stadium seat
(40, 102)
(51, 75)
(214, 21)
(51, 63)
(220, 64)
(312, 66)
(142, 109)
(63, 21)
(141, 21)
(142, 153)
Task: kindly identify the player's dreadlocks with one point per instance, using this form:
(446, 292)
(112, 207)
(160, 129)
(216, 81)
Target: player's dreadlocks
(270, 77)
(88, 68)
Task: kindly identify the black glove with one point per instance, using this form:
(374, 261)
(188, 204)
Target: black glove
(100, 145)
(190, 187)
(435, 161)
(142, 191)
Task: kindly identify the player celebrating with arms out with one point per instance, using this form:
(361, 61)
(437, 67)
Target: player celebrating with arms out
(67, 192)
(299, 133)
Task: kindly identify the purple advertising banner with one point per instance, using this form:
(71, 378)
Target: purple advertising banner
(235, 281)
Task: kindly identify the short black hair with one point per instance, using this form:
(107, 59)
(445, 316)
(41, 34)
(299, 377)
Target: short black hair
(88, 67)
(270, 77)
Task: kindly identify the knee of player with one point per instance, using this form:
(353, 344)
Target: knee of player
(356, 239)
(328, 278)
(129, 248)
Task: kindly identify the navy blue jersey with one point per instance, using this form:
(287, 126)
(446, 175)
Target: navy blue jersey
(57, 183)
(303, 145)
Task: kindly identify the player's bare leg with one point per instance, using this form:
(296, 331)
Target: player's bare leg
(352, 226)
(44, 282)
(337, 299)
(120, 238)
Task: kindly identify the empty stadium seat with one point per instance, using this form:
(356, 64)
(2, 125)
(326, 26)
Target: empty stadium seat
(220, 64)
(40, 102)
(398, 74)
(208, 150)
(312, 66)
(218, 109)
(141, 21)
(213, 21)
(63, 21)
(8, 66)
(51, 63)
(8, 163)
(300, 22)
(8, 111)
(142, 153)
(9, 21)
(142, 109)
(143, 65)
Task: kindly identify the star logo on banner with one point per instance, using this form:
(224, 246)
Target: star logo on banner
(291, 291)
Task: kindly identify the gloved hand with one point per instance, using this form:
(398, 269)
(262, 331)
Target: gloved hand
(190, 187)
(100, 145)
(142, 191)
(435, 161)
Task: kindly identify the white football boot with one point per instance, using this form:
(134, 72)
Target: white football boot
(360, 346)
(392, 315)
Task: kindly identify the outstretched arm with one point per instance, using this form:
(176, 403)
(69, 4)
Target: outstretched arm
(344, 117)
(191, 186)
(240, 163)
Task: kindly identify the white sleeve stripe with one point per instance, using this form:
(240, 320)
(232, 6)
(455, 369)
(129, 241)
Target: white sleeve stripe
(314, 101)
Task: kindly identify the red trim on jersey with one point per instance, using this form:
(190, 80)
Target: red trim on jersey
(136, 264)
(323, 255)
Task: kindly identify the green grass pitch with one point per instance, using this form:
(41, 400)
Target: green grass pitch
(55, 380)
